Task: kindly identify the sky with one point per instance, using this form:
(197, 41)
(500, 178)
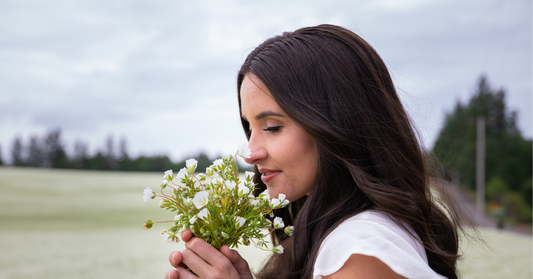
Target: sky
(162, 74)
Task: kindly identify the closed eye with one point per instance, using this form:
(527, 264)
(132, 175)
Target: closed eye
(273, 129)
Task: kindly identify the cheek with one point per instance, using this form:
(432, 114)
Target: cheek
(308, 163)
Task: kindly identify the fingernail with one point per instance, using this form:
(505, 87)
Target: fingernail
(172, 259)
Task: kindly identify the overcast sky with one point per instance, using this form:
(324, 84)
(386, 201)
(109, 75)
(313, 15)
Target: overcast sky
(162, 73)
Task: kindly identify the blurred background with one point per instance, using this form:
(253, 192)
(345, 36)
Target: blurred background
(138, 86)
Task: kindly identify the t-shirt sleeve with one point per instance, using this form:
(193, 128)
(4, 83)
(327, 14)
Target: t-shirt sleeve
(375, 236)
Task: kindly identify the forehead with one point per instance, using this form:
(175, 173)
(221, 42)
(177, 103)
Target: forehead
(256, 98)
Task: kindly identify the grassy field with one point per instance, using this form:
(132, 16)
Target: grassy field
(87, 224)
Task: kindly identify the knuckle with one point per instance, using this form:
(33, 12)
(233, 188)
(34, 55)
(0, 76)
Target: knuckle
(195, 242)
(225, 266)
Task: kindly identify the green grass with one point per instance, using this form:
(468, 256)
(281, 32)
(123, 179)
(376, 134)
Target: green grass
(87, 224)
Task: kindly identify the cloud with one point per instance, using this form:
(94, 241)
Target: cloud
(149, 69)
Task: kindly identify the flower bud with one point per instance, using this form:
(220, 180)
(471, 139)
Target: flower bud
(201, 177)
(224, 235)
(289, 230)
(148, 224)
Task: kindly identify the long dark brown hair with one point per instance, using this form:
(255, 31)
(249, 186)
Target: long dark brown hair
(336, 87)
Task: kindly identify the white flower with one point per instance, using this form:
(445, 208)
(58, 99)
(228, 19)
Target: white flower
(182, 174)
(201, 199)
(254, 202)
(243, 189)
(249, 175)
(202, 214)
(148, 194)
(274, 203)
(177, 217)
(259, 243)
(192, 220)
(278, 249)
(230, 184)
(278, 223)
(239, 221)
(284, 202)
(243, 151)
(218, 163)
(191, 165)
(279, 202)
(168, 175)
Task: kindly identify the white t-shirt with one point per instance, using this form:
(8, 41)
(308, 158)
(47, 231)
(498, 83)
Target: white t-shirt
(372, 233)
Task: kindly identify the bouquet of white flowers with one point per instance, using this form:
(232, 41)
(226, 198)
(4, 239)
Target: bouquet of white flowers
(218, 206)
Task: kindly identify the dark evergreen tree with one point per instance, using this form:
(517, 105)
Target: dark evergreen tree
(56, 157)
(81, 155)
(110, 153)
(1, 160)
(123, 150)
(35, 156)
(17, 156)
(124, 160)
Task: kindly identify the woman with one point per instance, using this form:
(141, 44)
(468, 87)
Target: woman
(326, 128)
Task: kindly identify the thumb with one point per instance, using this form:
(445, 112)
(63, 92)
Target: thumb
(235, 258)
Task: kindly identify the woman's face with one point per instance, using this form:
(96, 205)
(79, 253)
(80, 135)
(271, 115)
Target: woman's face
(284, 153)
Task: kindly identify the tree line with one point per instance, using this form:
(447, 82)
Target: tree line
(48, 151)
(508, 166)
(508, 155)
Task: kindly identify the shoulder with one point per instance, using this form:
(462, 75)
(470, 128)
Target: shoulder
(373, 234)
(362, 266)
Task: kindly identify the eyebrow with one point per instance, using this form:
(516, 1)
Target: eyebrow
(265, 114)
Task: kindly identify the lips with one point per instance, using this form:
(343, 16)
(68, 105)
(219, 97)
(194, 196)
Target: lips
(268, 174)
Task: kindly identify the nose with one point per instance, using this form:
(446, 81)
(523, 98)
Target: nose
(258, 152)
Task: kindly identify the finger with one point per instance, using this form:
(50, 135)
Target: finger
(235, 258)
(186, 235)
(184, 273)
(173, 274)
(205, 251)
(175, 258)
(194, 262)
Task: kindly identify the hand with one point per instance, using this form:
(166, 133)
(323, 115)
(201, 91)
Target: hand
(204, 261)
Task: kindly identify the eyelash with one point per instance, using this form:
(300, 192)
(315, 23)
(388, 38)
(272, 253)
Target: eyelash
(273, 129)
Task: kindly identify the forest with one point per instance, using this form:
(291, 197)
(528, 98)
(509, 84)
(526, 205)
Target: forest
(508, 155)
(49, 151)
